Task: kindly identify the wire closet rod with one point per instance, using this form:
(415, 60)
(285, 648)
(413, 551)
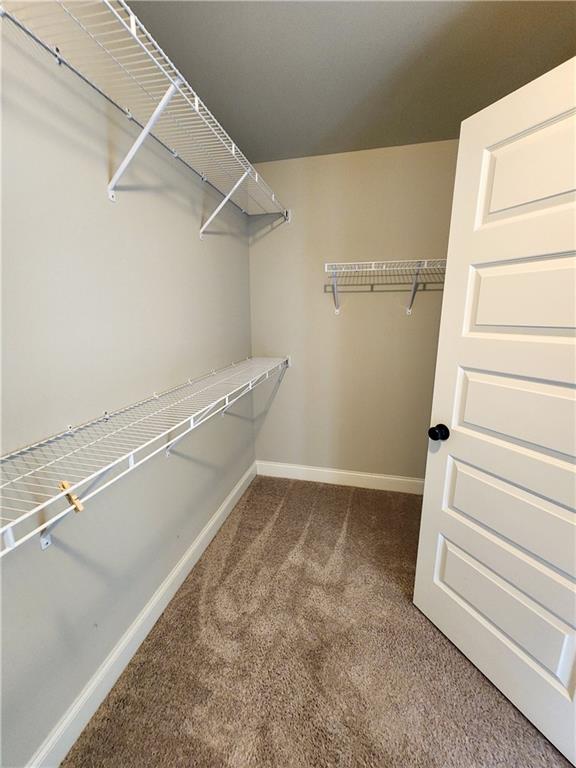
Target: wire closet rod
(65, 63)
(353, 276)
(105, 44)
(45, 481)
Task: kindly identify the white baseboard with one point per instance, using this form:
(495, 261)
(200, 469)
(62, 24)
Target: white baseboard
(62, 737)
(341, 477)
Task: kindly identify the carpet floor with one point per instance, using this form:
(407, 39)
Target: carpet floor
(294, 643)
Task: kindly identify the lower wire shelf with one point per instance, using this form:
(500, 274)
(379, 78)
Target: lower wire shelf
(44, 482)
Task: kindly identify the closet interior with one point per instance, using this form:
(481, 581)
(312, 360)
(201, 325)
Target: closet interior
(287, 388)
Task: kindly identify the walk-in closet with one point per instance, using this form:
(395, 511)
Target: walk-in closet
(288, 424)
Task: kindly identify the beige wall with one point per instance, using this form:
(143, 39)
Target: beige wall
(359, 395)
(103, 304)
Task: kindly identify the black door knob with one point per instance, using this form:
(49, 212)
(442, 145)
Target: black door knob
(439, 432)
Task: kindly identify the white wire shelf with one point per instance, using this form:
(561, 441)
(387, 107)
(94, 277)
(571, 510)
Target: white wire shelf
(44, 482)
(381, 276)
(107, 46)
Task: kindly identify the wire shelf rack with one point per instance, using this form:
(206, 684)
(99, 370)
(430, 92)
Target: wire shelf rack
(381, 276)
(107, 46)
(44, 482)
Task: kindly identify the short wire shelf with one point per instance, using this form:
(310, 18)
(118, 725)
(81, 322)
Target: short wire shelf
(104, 42)
(44, 482)
(381, 276)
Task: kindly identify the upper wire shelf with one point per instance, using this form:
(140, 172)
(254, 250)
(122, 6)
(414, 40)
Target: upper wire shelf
(375, 276)
(43, 482)
(104, 42)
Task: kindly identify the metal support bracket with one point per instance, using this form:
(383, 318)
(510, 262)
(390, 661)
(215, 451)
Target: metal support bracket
(282, 372)
(164, 101)
(335, 293)
(180, 437)
(221, 205)
(46, 534)
(9, 541)
(76, 505)
(414, 289)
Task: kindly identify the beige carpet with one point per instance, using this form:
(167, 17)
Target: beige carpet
(294, 643)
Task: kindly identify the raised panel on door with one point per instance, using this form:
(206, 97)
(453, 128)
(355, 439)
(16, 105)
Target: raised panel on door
(535, 632)
(510, 296)
(518, 409)
(526, 170)
(534, 524)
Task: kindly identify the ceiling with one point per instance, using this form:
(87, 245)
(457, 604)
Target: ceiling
(290, 79)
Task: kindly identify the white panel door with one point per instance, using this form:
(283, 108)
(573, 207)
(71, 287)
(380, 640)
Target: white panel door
(497, 555)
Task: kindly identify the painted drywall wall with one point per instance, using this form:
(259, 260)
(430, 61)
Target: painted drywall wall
(359, 395)
(103, 303)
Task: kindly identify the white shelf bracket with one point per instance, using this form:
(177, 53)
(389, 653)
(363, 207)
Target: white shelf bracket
(46, 534)
(164, 101)
(414, 289)
(9, 540)
(221, 205)
(133, 25)
(335, 293)
(180, 437)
